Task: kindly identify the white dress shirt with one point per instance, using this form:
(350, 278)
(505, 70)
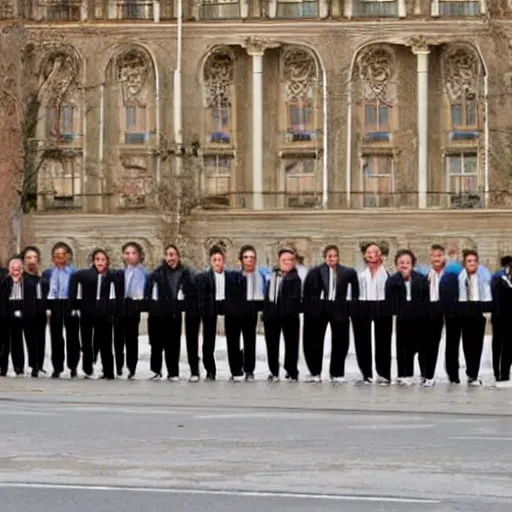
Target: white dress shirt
(16, 291)
(408, 290)
(98, 287)
(474, 288)
(332, 284)
(434, 278)
(220, 284)
(254, 282)
(373, 287)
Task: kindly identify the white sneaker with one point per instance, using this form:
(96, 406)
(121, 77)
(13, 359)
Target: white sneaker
(338, 380)
(237, 378)
(273, 378)
(405, 381)
(503, 384)
(382, 381)
(173, 379)
(194, 378)
(429, 383)
(310, 378)
(317, 379)
(474, 383)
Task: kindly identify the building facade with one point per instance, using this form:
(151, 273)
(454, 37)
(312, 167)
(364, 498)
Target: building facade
(271, 121)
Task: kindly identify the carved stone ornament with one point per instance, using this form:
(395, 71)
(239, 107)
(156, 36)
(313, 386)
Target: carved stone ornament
(462, 71)
(258, 45)
(218, 76)
(419, 44)
(132, 70)
(299, 73)
(377, 68)
(58, 74)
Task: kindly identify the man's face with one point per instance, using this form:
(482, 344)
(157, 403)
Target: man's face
(437, 259)
(100, 262)
(404, 265)
(287, 262)
(16, 269)
(332, 258)
(172, 258)
(249, 261)
(131, 256)
(31, 260)
(60, 257)
(373, 254)
(471, 264)
(217, 262)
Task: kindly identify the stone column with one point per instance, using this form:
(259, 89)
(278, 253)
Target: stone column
(422, 51)
(256, 48)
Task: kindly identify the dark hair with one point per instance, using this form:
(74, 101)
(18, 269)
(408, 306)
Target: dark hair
(506, 261)
(405, 252)
(136, 246)
(172, 246)
(29, 248)
(217, 249)
(62, 245)
(99, 251)
(330, 247)
(437, 247)
(469, 252)
(244, 249)
(288, 250)
(365, 245)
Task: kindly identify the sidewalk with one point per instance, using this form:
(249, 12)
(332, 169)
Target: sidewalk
(443, 398)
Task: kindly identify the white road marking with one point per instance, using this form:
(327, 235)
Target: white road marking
(391, 427)
(481, 438)
(250, 494)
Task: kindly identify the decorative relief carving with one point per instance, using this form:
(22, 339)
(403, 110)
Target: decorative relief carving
(136, 184)
(59, 74)
(299, 72)
(218, 78)
(377, 69)
(462, 71)
(132, 72)
(419, 44)
(258, 45)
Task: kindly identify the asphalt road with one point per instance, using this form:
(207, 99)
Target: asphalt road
(243, 458)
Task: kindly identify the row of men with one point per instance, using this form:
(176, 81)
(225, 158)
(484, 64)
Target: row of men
(98, 310)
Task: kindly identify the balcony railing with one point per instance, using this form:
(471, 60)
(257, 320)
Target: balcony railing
(290, 10)
(375, 9)
(219, 10)
(296, 137)
(459, 8)
(63, 10)
(135, 10)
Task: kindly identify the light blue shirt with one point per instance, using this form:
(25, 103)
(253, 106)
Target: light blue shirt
(59, 282)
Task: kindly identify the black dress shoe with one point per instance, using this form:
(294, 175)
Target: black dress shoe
(35, 373)
(43, 371)
(55, 375)
(119, 372)
(210, 376)
(73, 373)
(131, 375)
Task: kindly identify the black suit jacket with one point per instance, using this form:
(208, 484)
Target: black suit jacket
(289, 300)
(29, 305)
(317, 281)
(234, 293)
(396, 295)
(89, 305)
(168, 303)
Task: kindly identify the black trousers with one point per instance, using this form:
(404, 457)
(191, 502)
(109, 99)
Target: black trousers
(313, 343)
(473, 332)
(12, 343)
(501, 348)
(290, 327)
(236, 325)
(363, 344)
(411, 338)
(96, 334)
(192, 325)
(452, 349)
(165, 340)
(60, 347)
(41, 339)
(126, 334)
(435, 329)
(5, 345)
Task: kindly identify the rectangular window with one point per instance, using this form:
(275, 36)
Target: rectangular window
(60, 124)
(135, 9)
(463, 180)
(464, 115)
(300, 183)
(219, 9)
(297, 9)
(135, 124)
(377, 121)
(217, 180)
(64, 10)
(375, 8)
(459, 8)
(220, 130)
(301, 121)
(378, 182)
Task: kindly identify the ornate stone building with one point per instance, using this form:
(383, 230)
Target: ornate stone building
(271, 121)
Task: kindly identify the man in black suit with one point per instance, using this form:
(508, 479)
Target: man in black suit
(326, 289)
(221, 293)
